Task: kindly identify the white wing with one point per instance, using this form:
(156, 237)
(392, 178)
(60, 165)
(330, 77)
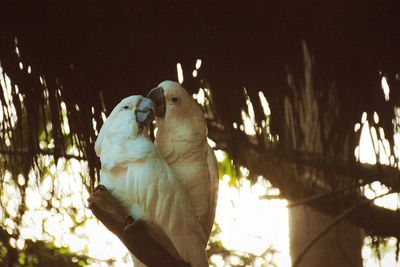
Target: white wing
(159, 198)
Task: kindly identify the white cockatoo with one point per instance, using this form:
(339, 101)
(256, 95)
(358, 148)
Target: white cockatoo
(182, 140)
(135, 172)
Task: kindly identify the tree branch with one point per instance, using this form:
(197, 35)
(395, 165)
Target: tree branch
(132, 233)
(285, 171)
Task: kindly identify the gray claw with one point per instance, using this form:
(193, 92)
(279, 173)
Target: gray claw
(100, 187)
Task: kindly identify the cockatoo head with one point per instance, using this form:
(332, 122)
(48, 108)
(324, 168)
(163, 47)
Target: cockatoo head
(177, 111)
(176, 107)
(129, 118)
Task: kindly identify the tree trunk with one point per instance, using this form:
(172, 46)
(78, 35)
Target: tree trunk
(341, 246)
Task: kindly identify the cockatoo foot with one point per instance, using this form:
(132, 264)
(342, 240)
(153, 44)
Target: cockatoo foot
(100, 187)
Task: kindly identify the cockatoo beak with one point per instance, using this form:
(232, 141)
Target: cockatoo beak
(145, 111)
(157, 95)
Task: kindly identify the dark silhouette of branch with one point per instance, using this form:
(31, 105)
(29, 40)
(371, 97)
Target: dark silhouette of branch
(282, 170)
(309, 199)
(335, 221)
(132, 233)
(313, 198)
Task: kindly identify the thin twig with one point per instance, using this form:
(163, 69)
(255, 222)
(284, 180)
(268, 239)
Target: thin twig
(312, 198)
(272, 197)
(40, 151)
(309, 199)
(335, 221)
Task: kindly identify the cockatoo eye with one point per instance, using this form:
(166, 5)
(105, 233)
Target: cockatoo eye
(126, 107)
(174, 99)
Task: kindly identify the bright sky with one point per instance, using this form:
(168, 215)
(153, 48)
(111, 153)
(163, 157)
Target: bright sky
(250, 224)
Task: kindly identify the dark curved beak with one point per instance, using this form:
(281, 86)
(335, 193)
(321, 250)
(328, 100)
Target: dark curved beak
(157, 95)
(145, 111)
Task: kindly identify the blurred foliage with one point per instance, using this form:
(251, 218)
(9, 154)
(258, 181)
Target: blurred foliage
(217, 253)
(226, 167)
(38, 253)
(381, 247)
